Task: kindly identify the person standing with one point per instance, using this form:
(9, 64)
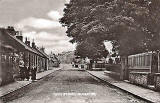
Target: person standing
(88, 63)
(33, 73)
(27, 71)
(110, 61)
(22, 71)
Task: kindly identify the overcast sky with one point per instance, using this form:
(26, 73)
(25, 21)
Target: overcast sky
(38, 20)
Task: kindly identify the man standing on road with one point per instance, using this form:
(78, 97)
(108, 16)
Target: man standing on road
(88, 63)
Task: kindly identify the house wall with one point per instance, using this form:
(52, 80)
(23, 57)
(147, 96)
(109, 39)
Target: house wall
(6, 62)
(9, 67)
(6, 68)
(46, 63)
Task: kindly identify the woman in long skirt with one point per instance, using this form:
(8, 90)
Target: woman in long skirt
(33, 73)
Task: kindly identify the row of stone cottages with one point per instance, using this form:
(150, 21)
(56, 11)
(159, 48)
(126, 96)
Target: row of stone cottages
(13, 49)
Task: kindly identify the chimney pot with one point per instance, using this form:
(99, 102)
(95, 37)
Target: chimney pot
(19, 35)
(11, 30)
(33, 44)
(42, 49)
(27, 42)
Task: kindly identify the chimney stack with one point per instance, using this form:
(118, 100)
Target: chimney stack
(11, 30)
(27, 42)
(19, 35)
(42, 49)
(33, 44)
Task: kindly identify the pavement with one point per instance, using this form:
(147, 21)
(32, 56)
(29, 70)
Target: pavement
(73, 81)
(70, 85)
(140, 92)
(6, 89)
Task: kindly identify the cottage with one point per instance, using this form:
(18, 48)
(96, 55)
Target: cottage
(44, 58)
(13, 49)
(53, 61)
(6, 60)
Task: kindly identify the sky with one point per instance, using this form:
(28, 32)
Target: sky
(38, 20)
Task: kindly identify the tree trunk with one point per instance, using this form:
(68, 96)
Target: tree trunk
(124, 68)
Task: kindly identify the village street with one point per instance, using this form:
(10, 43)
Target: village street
(70, 85)
(79, 51)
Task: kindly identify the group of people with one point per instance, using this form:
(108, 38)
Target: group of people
(26, 72)
(88, 62)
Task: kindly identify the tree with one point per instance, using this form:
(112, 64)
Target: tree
(131, 25)
(91, 49)
(78, 24)
(121, 22)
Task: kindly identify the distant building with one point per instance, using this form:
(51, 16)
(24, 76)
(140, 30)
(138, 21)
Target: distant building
(53, 61)
(66, 57)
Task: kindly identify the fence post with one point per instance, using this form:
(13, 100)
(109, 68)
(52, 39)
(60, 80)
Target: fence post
(124, 68)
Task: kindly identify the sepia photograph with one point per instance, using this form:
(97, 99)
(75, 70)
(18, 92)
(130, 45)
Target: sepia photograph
(79, 51)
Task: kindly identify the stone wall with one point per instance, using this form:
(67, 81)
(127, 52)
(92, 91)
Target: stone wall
(139, 78)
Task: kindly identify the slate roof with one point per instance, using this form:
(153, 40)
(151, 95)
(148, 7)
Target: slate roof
(44, 54)
(18, 44)
(38, 52)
